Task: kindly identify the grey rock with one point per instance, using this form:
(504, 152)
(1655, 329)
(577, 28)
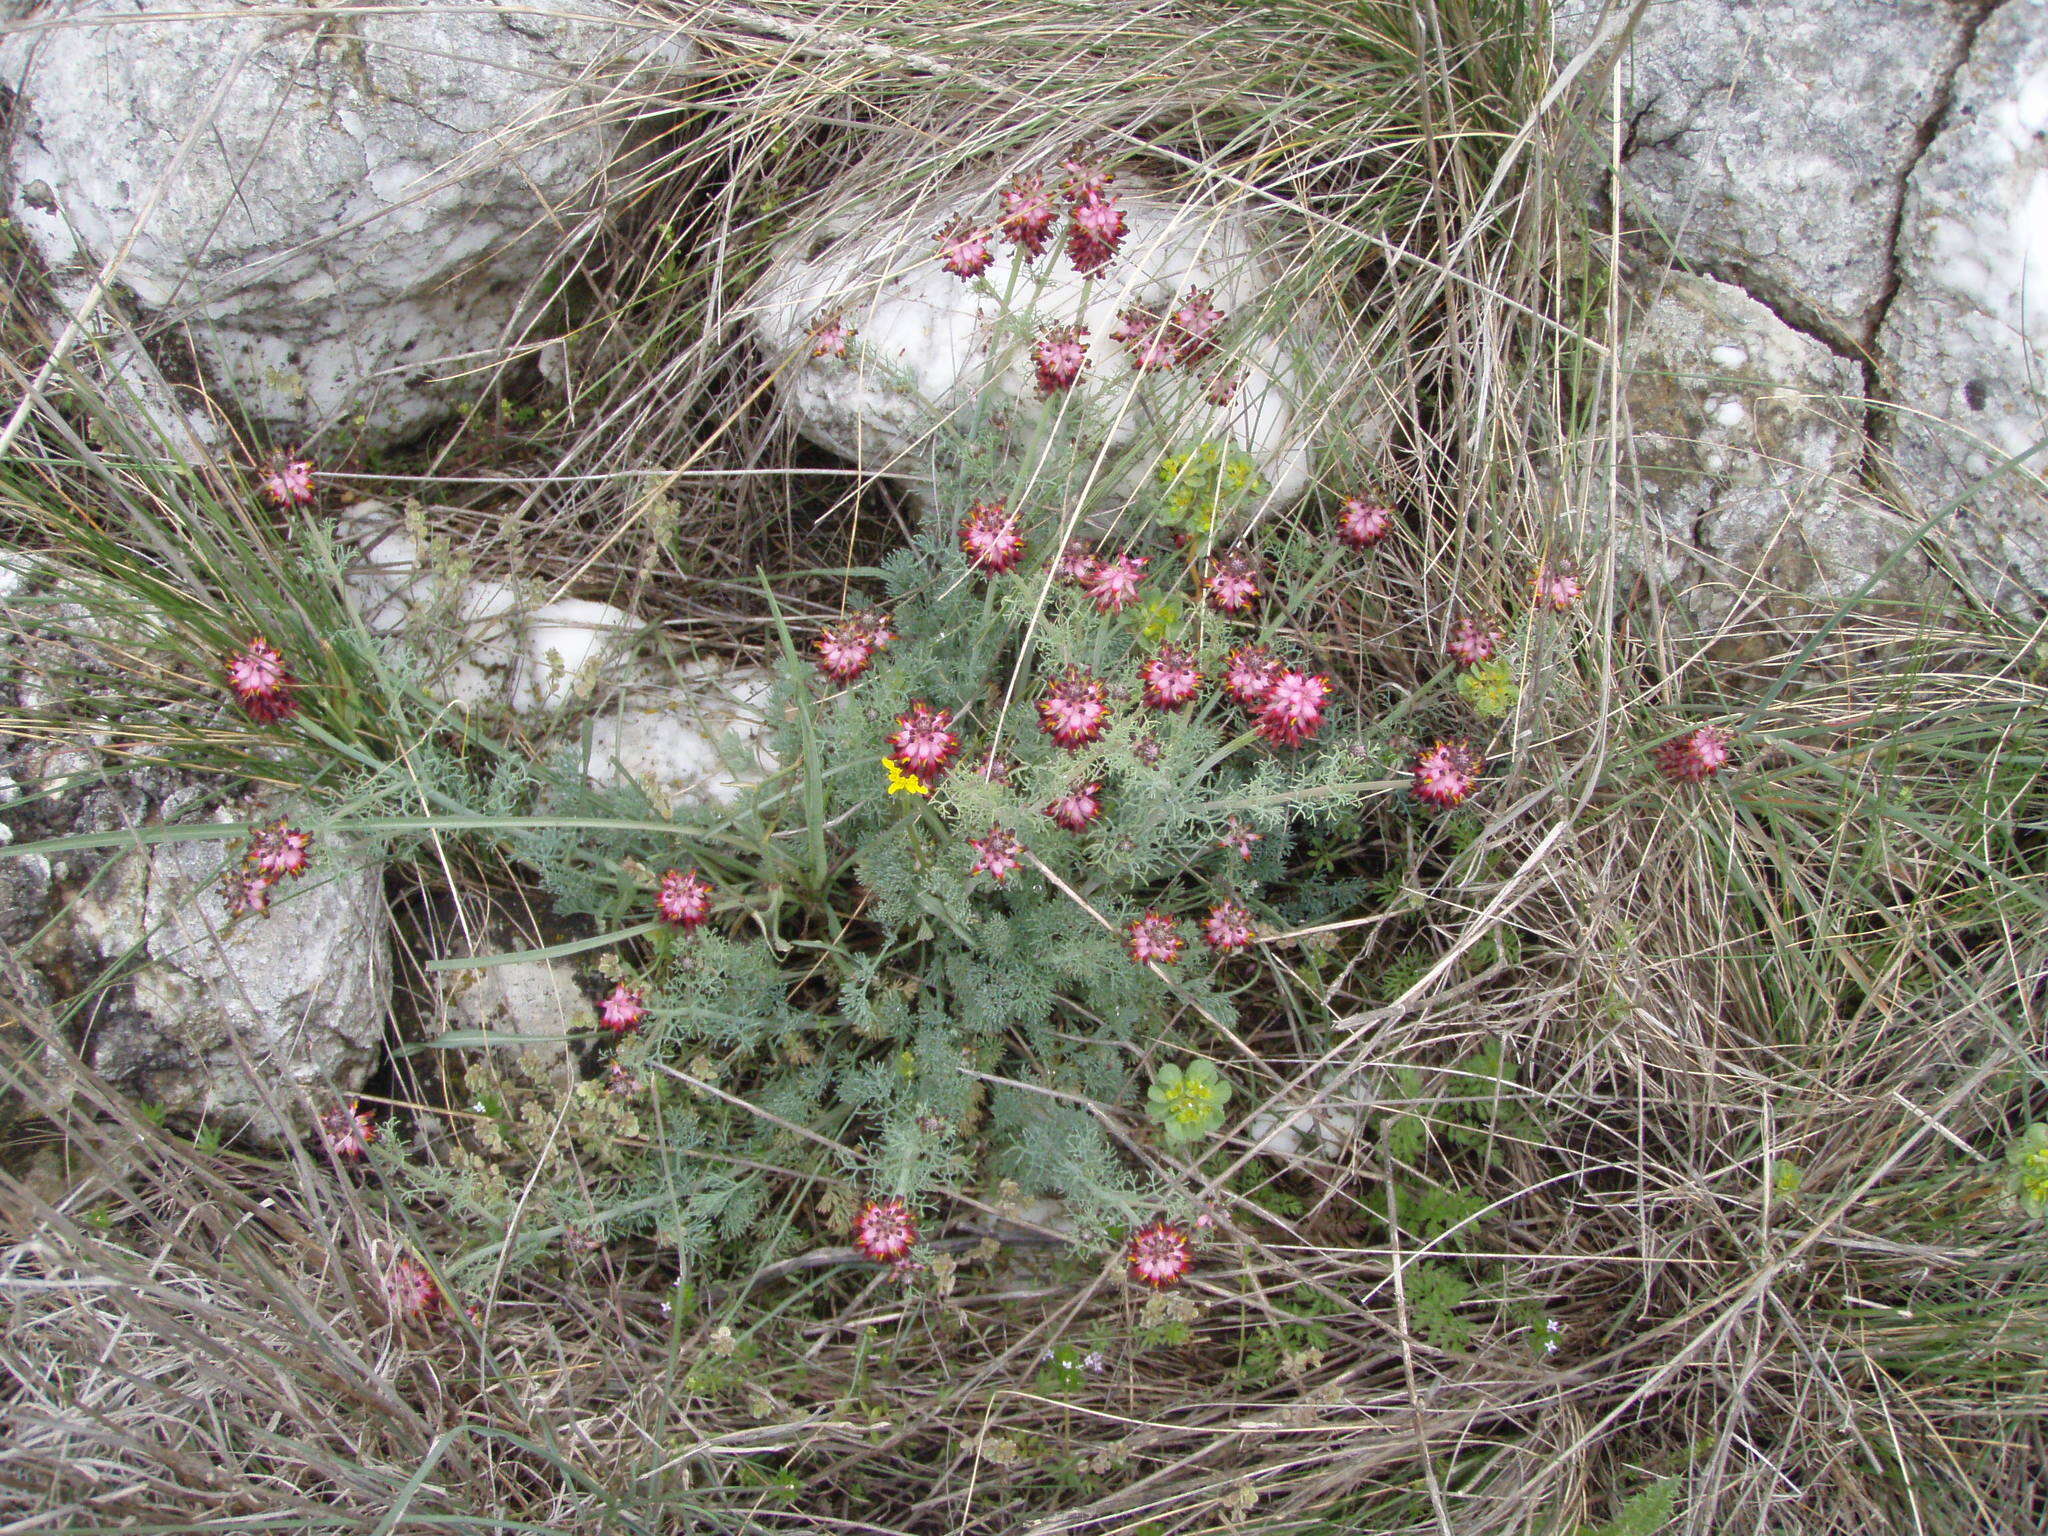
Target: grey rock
(237, 1022)
(1740, 473)
(1965, 341)
(1768, 140)
(361, 199)
(530, 1003)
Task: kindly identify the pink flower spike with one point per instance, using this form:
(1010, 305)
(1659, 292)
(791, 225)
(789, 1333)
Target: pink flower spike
(410, 1289)
(347, 1132)
(1556, 587)
(997, 769)
(1171, 678)
(965, 251)
(998, 855)
(620, 1080)
(1159, 1255)
(289, 482)
(262, 682)
(1292, 711)
(246, 895)
(1232, 585)
(1145, 334)
(1086, 176)
(993, 537)
(1076, 562)
(829, 336)
(1077, 807)
(924, 740)
(1446, 773)
(279, 852)
(1238, 838)
(1222, 387)
(1155, 939)
(1194, 325)
(1696, 756)
(1075, 708)
(1059, 354)
(875, 625)
(1114, 586)
(1362, 523)
(1228, 926)
(1028, 215)
(885, 1231)
(684, 900)
(1469, 645)
(844, 651)
(1249, 674)
(1095, 231)
(622, 1011)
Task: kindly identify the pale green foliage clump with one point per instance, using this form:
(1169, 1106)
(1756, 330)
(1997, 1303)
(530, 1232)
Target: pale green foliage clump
(2027, 1162)
(867, 1008)
(1490, 688)
(1203, 487)
(1188, 1103)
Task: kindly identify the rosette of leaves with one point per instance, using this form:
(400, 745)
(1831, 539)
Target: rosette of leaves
(1188, 1102)
(1202, 487)
(2026, 1161)
(1490, 688)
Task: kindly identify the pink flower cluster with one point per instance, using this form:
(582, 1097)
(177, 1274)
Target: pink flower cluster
(1179, 335)
(924, 743)
(845, 649)
(993, 537)
(347, 1132)
(274, 853)
(1696, 756)
(1096, 226)
(1445, 774)
(1286, 705)
(623, 1010)
(830, 335)
(288, 481)
(683, 900)
(885, 1231)
(262, 683)
(1159, 1255)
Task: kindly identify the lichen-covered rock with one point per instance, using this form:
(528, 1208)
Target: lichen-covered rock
(696, 738)
(1766, 140)
(1738, 483)
(342, 211)
(234, 1022)
(1965, 340)
(934, 362)
(532, 1004)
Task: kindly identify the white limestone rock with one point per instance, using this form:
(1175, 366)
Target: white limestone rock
(567, 650)
(341, 212)
(700, 738)
(469, 631)
(1965, 341)
(928, 348)
(687, 735)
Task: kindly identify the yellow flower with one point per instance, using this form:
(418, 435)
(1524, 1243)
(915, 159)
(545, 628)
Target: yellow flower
(901, 783)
